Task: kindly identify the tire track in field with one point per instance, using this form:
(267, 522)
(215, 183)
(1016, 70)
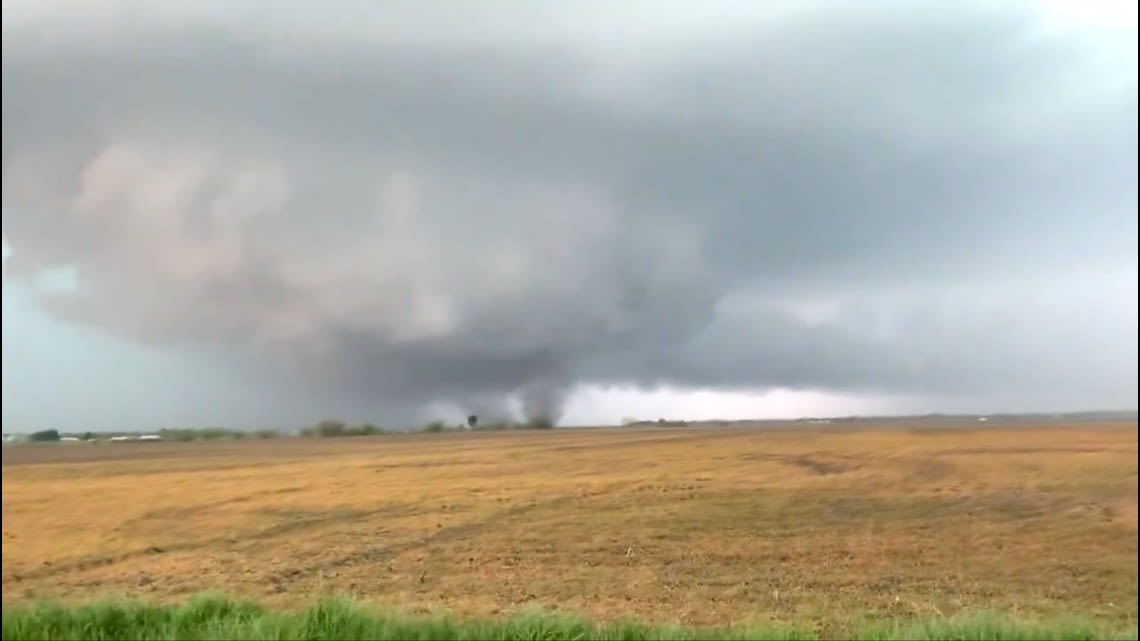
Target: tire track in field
(444, 535)
(186, 511)
(50, 570)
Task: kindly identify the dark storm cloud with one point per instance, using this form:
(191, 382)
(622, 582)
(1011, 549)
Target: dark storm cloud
(424, 215)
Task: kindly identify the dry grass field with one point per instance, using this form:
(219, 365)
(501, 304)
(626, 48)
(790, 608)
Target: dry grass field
(693, 526)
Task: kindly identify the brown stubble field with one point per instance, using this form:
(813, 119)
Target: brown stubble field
(694, 526)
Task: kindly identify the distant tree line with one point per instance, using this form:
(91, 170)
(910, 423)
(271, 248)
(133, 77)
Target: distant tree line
(330, 428)
(166, 434)
(333, 428)
(44, 436)
(186, 434)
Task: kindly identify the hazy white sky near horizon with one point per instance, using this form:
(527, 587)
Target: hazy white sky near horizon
(712, 292)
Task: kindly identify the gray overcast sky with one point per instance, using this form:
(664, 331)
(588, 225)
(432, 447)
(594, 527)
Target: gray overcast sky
(367, 208)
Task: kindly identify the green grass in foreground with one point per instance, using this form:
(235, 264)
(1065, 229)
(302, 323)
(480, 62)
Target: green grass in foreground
(337, 619)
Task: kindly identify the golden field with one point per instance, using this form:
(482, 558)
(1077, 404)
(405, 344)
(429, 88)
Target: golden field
(671, 525)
